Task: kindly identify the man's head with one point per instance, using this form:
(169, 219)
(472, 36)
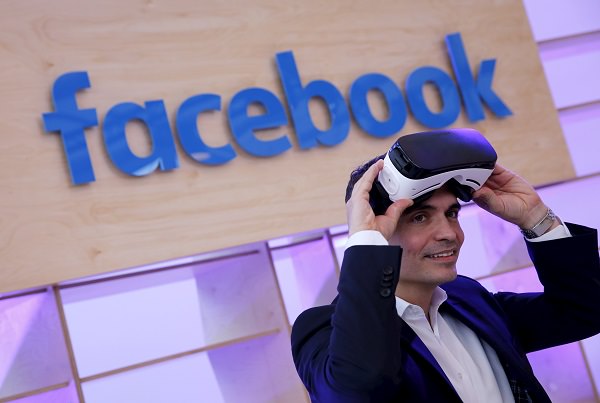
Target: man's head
(428, 232)
(431, 237)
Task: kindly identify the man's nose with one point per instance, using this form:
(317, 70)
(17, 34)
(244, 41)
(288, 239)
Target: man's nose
(444, 230)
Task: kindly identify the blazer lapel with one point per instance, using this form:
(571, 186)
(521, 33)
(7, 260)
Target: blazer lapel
(480, 323)
(412, 342)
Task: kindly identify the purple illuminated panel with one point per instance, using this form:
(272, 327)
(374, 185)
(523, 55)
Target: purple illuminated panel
(307, 275)
(571, 67)
(591, 349)
(32, 348)
(258, 370)
(575, 201)
(555, 19)
(491, 245)
(339, 242)
(123, 322)
(524, 280)
(561, 370)
(62, 395)
(188, 379)
(582, 133)
(126, 321)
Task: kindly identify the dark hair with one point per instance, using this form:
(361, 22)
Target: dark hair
(358, 173)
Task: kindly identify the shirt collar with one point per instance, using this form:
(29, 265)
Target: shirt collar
(405, 309)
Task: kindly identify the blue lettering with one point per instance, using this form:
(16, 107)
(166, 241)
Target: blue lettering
(396, 107)
(446, 89)
(243, 126)
(154, 116)
(474, 92)
(71, 122)
(187, 127)
(298, 96)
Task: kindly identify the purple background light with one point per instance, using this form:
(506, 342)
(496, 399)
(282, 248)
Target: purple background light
(213, 328)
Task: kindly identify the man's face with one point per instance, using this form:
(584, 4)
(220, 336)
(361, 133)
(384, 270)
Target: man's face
(431, 237)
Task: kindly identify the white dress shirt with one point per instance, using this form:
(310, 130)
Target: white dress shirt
(470, 364)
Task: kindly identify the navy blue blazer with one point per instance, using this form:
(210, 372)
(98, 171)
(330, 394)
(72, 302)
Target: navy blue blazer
(359, 350)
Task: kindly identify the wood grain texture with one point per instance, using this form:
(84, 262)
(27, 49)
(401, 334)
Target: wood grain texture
(146, 50)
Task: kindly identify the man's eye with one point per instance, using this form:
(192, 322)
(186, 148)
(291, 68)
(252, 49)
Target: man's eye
(453, 214)
(419, 218)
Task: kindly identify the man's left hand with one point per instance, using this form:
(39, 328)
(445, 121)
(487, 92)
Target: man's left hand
(511, 198)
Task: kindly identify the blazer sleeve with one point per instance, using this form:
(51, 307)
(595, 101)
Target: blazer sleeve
(343, 352)
(569, 308)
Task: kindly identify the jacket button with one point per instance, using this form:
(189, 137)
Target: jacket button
(386, 283)
(387, 277)
(385, 292)
(388, 270)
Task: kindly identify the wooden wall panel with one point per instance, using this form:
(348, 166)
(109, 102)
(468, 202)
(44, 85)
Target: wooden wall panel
(145, 50)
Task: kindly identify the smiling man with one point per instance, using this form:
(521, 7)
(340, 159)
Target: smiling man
(405, 327)
(431, 237)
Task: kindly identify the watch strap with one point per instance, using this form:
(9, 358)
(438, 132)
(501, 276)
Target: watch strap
(541, 227)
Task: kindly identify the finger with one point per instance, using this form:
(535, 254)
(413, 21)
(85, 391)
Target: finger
(365, 183)
(485, 198)
(498, 169)
(397, 208)
(500, 175)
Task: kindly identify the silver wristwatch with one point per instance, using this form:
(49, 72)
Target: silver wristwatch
(541, 227)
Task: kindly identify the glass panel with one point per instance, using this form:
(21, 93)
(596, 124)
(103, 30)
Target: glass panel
(524, 280)
(491, 245)
(591, 349)
(32, 347)
(259, 370)
(62, 395)
(125, 321)
(307, 275)
(188, 379)
(555, 19)
(580, 209)
(339, 242)
(562, 372)
(570, 66)
(582, 133)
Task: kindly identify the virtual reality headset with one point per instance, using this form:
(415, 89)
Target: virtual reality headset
(418, 164)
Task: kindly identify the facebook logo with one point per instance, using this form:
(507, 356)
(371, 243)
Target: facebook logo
(462, 87)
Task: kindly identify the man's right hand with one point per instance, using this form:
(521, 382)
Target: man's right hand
(360, 214)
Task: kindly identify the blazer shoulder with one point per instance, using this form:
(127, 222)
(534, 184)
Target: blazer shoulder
(311, 321)
(463, 284)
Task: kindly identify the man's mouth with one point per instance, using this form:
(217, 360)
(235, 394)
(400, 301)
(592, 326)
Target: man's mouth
(443, 254)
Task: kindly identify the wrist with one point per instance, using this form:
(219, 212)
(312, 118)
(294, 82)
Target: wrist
(353, 229)
(533, 216)
(547, 223)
